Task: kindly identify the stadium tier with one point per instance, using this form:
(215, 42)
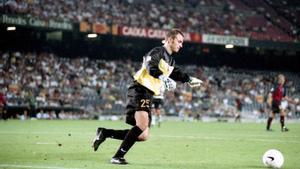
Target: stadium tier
(48, 64)
(258, 19)
(72, 88)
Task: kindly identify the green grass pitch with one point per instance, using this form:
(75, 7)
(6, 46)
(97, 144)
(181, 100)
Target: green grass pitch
(176, 145)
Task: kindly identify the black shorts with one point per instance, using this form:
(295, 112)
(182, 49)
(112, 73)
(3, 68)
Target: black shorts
(157, 103)
(139, 98)
(275, 107)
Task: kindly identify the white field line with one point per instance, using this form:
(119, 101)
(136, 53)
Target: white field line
(46, 143)
(31, 166)
(227, 139)
(246, 137)
(200, 134)
(39, 132)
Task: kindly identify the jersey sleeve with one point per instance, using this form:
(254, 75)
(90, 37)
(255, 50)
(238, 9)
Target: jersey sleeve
(157, 66)
(154, 62)
(284, 91)
(179, 75)
(272, 90)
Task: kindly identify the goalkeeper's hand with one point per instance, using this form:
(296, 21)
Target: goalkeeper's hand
(168, 83)
(194, 82)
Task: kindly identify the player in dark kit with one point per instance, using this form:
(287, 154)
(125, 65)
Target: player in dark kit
(158, 73)
(2, 106)
(278, 93)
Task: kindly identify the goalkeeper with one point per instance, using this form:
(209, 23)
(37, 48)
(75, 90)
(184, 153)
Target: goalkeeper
(157, 73)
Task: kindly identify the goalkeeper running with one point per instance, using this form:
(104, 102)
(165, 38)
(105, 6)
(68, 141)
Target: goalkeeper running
(157, 73)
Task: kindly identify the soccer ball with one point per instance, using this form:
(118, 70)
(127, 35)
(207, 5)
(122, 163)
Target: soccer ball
(273, 158)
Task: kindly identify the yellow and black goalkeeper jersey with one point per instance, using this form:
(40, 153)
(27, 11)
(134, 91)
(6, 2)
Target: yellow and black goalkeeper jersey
(155, 63)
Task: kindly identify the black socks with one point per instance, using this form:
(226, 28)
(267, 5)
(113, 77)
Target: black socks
(269, 123)
(115, 134)
(282, 121)
(128, 141)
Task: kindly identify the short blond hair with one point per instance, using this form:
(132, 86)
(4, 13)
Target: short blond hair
(280, 76)
(172, 34)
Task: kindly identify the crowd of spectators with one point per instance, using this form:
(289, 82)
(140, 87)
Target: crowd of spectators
(61, 82)
(52, 87)
(257, 19)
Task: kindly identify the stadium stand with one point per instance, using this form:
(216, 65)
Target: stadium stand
(49, 85)
(258, 19)
(73, 88)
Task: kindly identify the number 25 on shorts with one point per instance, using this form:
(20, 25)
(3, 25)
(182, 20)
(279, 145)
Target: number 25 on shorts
(145, 103)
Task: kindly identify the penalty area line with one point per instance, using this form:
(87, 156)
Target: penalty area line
(31, 166)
